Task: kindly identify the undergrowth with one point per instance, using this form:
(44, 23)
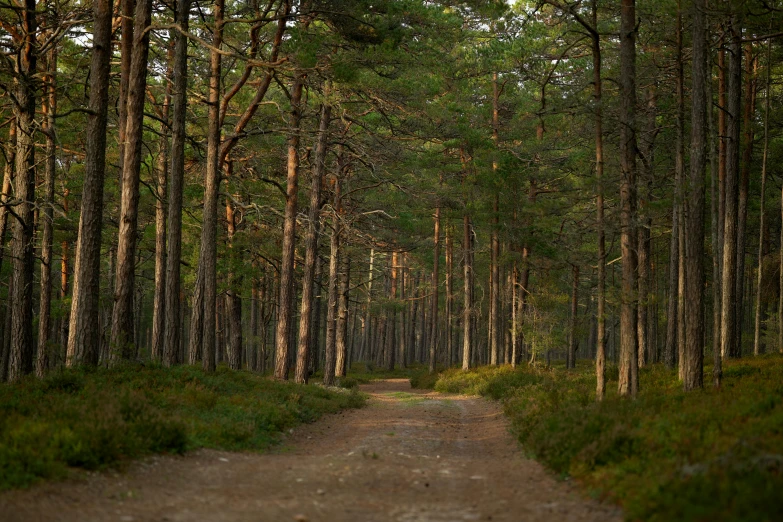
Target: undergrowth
(93, 419)
(712, 455)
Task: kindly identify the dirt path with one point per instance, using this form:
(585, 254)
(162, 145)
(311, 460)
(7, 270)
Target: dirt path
(409, 456)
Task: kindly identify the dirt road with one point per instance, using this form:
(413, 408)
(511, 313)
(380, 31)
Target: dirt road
(408, 456)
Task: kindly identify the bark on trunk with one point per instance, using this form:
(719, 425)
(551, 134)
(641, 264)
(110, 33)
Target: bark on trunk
(83, 331)
(341, 328)
(205, 294)
(729, 286)
(331, 310)
(172, 305)
(435, 285)
(628, 381)
(742, 204)
(285, 309)
(757, 341)
(23, 226)
(159, 299)
(572, 341)
(694, 249)
(44, 359)
(311, 249)
(122, 340)
(449, 298)
(600, 355)
(467, 342)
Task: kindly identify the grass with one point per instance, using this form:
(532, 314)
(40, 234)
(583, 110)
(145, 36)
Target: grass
(93, 419)
(712, 455)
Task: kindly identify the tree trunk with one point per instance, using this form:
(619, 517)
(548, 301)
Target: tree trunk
(203, 320)
(757, 341)
(600, 354)
(628, 381)
(331, 310)
(285, 309)
(742, 204)
(44, 359)
(449, 297)
(341, 327)
(729, 286)
(467, 342)
(435, 285)
(366, 344)
(694, 250)
(311, 248)
(22, 245)
(392, 324)
(172, 304)
(572, 341)
(159, 299)
(681, 202)
(124, 287)
(84, 331)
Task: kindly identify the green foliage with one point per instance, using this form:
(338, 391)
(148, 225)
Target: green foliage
(668, 455)
(95, 419)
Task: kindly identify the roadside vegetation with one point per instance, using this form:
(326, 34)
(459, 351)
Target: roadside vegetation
(93, 419)
(668, 455)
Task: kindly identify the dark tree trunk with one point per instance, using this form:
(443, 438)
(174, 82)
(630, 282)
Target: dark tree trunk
(45, 359)
(628, 381)
(744, 181)
(172, 339)
(205, 294)
(694, 249)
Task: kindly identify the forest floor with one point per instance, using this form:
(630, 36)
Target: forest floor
(410, 455)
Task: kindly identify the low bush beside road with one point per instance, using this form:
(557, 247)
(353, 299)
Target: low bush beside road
(104, 417)
(666, 455)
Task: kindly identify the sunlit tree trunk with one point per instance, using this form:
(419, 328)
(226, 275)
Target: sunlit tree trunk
(467, 341)
(311, 248)
(450, 297)
(124, 286)
(161, 166)
(84, 331)
(331, 310)
(341, 328)
(285, 309)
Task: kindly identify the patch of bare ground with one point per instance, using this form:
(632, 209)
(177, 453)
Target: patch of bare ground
(408, 456)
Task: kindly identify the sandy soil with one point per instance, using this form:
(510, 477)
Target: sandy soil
(408, 456)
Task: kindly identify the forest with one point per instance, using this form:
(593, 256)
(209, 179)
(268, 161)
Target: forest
(487, 195)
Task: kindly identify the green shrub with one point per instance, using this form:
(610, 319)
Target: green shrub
(667, 455)
(99, 418)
